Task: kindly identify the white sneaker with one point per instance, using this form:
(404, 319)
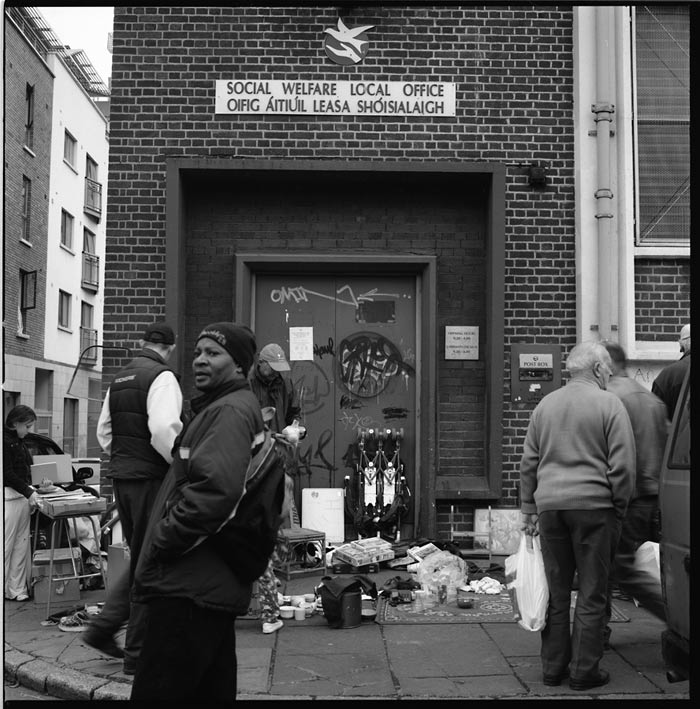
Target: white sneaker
(272, 627)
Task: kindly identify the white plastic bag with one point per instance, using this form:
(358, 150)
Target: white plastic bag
(527, 585)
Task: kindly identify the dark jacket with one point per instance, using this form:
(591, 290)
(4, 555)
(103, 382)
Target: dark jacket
(279, 392)
(132, 455)
(650, 427)
(203, 485)
(16, 463)
(667, 385)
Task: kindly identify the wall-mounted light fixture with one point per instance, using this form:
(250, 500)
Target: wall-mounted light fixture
(536, 176)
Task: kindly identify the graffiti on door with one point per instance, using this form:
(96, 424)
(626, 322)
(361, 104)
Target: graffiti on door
(367, 361)
(299, 294)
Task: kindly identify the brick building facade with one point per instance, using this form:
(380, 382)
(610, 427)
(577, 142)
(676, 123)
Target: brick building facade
(245, 216)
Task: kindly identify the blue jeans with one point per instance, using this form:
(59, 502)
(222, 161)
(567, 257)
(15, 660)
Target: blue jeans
(576, 541)
(188, 654)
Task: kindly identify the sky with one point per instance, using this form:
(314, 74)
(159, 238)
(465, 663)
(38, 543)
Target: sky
(84, 28)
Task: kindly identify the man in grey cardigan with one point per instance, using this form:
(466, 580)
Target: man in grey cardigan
(577, 475)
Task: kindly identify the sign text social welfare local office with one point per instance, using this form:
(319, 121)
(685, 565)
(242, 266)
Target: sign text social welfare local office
(343, 98)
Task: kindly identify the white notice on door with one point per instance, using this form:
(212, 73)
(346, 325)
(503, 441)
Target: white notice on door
(301, 343)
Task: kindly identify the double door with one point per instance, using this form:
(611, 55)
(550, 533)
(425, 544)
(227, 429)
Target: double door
(358, 337)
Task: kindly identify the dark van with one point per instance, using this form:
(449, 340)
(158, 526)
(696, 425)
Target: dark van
(674, 547)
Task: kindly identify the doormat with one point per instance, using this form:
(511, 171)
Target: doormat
(488, 608)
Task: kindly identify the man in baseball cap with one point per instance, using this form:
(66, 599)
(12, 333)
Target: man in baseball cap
(271, 383)
(160, 333)
(273, 354)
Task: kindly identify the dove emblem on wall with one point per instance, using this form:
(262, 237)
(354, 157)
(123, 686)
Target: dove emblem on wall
(346, 46)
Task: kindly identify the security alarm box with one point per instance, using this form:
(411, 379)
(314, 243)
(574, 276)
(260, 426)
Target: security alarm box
(535, 370)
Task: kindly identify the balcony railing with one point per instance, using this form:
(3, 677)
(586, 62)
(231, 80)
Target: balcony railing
(93, 197)
(91, 271)
(88, 338)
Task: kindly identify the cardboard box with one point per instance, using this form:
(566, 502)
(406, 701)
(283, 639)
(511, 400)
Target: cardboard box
(68, 505)
(364, 551)
(42, 557)
(61, 591)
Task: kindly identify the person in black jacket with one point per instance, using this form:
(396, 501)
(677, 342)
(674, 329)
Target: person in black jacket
(21, 499)
(138, 424)
(667, 385)
(192, 590)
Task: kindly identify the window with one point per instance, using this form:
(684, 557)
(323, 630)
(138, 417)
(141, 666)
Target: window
(86, 315)
(88, 334)
(88, 242)
(66, 229)
(29, 117)
(27, 299)
(64, 309)
(662, 40)
(93, 189)
(26, 208)
(69, 144)
(90, 169)
(91, 262)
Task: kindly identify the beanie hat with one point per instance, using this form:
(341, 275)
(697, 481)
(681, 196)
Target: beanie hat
(237, 340)
(160, 333)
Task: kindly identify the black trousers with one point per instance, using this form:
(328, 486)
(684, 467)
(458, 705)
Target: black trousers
(583, 541)
(188, 654)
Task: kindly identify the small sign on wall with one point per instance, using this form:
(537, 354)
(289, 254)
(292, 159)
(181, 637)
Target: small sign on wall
(461, 342)
(301, 343)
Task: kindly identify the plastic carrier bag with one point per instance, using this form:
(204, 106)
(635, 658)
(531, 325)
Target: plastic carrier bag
(527, 584)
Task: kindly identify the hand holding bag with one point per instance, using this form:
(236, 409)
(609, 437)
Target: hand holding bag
(527, 584)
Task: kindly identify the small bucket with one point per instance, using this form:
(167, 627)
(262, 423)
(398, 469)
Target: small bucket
(351, 609)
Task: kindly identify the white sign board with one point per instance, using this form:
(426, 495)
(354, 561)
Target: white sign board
(301, 343)
(461, 342)
(342, 98)
(535, 361)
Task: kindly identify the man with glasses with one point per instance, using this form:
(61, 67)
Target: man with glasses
(667, 385)
(577, 475)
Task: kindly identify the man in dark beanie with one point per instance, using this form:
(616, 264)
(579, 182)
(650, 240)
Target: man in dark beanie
(140, 419)
(193, 594)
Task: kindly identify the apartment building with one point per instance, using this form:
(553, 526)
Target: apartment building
(56, 147)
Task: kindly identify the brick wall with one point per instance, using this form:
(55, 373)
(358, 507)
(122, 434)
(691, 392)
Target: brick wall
(23, 66)
(513, 67)
(662, 298)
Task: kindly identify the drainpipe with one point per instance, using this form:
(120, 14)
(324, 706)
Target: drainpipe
(603, 110)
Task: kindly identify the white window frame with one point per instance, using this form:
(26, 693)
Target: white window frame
(64, 309)
(70, 149)
(26, 209)
(67, 223)
(648, 248)
(29, 117)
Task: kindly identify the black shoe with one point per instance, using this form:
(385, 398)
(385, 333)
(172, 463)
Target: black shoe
(597, 680)
(129, 669)
(103, 643)
(555, 680)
